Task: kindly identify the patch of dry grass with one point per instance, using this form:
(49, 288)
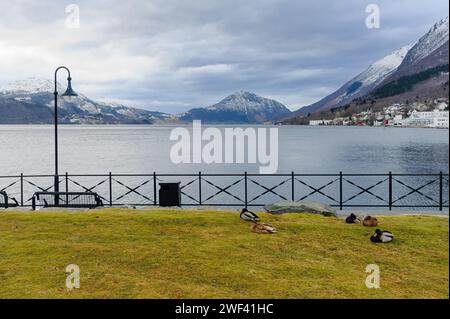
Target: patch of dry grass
(210, 254)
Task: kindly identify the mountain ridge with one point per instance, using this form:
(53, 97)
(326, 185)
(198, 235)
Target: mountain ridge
(33, 97)
(30, 101)
(368, 79)
(430, 51)
(239, 107)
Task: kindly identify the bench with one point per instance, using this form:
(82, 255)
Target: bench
(66, 199)
(4, 200)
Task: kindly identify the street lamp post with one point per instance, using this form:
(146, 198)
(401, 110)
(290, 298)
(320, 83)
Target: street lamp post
(69, 92)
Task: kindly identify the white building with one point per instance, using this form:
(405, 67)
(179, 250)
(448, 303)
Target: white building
(315, 122)
(442, 106)
(398, 120)
(434, 118)
(320, 122)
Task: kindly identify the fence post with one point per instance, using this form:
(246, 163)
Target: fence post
(110, 189)
(200, 188)
(154, 189)
(440, 191)
(245, 179)
(67, 188)
(340, 191)
(390, 190)
(21, 189)
(292, 186)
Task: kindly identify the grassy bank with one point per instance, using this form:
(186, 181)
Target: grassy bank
(201, 254)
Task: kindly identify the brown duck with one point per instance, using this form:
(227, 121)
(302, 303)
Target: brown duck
(370, 221)
(262, 228)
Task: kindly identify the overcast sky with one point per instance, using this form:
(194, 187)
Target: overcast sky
(171, 55)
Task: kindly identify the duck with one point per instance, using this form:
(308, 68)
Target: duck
(262, 228)
(352, 219)
(249, 216)
(382, 236)
(370, 221)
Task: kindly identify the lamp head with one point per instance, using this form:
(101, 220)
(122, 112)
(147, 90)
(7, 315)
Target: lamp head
(69, 92)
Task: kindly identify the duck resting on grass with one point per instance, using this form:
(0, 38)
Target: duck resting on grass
(352, 219)
(249, 216)
(370, 221)
(382, 236)
(256, 226)
(262, 228)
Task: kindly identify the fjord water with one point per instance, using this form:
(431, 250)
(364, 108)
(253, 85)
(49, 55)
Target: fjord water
(29, 149)
(302, 149)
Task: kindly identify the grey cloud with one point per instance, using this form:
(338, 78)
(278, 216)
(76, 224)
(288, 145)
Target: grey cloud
(173, 55)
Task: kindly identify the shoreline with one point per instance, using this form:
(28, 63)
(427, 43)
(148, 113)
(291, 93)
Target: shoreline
(206, 124)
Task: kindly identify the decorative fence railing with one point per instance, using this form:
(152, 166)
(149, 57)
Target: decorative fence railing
(388, 191)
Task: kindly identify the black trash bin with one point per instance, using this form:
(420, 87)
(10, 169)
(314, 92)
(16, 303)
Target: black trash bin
(169, 193)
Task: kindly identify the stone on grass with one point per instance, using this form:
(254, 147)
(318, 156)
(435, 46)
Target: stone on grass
(302, 206)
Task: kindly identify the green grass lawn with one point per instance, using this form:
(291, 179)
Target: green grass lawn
(212, 254)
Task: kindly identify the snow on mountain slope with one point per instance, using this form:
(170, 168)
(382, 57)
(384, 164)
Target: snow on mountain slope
(29, 86)
(361, 84)
(430, 51)
(80, 109)
(432, 40)
(380, 69)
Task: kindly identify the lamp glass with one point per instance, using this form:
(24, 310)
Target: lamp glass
(69, 92)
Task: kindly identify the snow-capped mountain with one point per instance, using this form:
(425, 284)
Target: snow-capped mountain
(239, 107)
(30, 86)
(31, 101)
(429, 51)
(431, 41)
(362, 83)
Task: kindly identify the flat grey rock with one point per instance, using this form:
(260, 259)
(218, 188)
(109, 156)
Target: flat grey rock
(303, 206)
(15, 209)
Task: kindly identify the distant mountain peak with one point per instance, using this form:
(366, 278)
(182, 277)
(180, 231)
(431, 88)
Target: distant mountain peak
(432, 40)
(248, 102)
(239, 107)
(243, 93)
(441, 24)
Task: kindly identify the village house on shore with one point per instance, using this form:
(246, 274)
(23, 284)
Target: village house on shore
(416, 115)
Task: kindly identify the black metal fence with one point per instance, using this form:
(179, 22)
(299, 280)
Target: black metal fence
(388, 191)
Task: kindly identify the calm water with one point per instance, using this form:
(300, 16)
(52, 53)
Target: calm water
(303, 149)
(144, 149)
